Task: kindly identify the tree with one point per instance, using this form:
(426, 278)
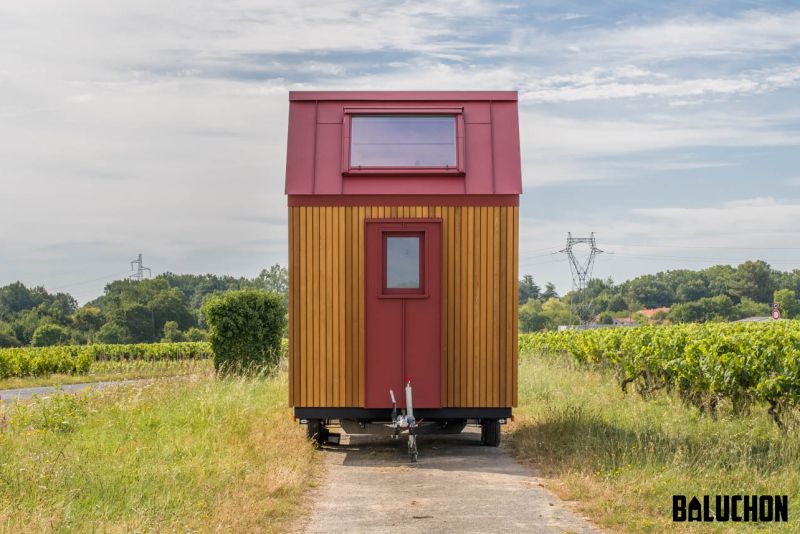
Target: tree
(649, 292)
(720, 279)
(246, 330)
(275, 280)
(88, 320)
(26, 323)
(172, 333)
(549, 291)
(139, 322)
(196, 334)
(719, 308)
(750, 308)
(112, 333)
(528, 289)
(15, 298)
(694, 289)
(605, 318)
(59, 308)
(753, 279)
(531, 317)
(559, 313)
(787, 302)
(171, 305)
(7, 341)
(50, 334)
(617, 304)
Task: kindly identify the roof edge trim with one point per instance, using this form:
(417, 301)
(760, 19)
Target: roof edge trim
(403, 95)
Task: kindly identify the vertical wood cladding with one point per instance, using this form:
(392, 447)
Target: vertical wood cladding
(479, 303)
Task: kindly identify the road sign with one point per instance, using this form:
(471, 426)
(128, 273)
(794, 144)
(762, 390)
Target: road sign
(776, 314)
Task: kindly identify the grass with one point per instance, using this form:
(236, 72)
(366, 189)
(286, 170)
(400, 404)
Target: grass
(187, 454)
(102, 371)
(622, 458)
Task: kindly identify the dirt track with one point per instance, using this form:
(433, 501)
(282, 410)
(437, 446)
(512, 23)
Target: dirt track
(10, 395)
(457, 486)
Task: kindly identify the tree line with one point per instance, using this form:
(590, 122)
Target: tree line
(164, 308)
(167, 307)
(718, 293)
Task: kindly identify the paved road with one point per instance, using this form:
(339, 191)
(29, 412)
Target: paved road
(457, 486)
(10, 395)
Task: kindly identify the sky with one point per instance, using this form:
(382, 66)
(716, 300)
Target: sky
(671, 131)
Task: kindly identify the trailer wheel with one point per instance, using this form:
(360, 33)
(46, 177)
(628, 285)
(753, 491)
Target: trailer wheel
(316, 432)
(490, 432)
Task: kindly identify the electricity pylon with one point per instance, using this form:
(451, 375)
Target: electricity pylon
(581, 271)
(138, 273)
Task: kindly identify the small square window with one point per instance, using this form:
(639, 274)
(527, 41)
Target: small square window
(403, 255)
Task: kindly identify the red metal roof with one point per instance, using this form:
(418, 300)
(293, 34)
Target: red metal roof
(317, 143)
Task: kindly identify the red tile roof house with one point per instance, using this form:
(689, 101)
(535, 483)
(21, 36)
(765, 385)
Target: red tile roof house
(652, 311)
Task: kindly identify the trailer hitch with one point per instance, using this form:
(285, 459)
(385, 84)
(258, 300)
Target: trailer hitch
(406, 421)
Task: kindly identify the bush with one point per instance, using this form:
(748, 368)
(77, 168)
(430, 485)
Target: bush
(172, 333)
(196, 334)
(48, 335)
(7, 341)
(245, 330)
(112, 333)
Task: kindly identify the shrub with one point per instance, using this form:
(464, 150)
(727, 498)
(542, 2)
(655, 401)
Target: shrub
(112, 333)
(48, 335)
(196, 334)
(172, 333)
(7, 340)
(245, 330)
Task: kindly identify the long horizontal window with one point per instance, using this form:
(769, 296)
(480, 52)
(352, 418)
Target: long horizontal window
(403, 141)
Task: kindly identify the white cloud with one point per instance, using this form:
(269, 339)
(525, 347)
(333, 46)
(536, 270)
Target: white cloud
(605, 84)
(652, 239)
(710, 36)
(161, 127)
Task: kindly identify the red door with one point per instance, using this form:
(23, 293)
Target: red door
(403, 307)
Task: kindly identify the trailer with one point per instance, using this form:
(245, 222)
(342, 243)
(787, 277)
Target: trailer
(403, 253)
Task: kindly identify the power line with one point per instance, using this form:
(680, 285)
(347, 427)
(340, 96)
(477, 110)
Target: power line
(703, 259)
(687, 247)
(106, 277)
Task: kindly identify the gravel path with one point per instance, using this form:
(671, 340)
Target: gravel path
(457, 486)
(11, 395)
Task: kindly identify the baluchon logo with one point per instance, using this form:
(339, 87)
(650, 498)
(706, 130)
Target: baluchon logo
(737, 508)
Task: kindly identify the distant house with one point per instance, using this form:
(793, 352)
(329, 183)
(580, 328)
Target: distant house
(755, 320)
(652, 311)
(624, 321)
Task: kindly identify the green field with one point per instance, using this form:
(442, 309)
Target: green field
(114, 370)
(706, 364)
(201, 453)
(185, 454)
(622, 457)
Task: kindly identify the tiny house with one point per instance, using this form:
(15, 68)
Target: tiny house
(403, 253)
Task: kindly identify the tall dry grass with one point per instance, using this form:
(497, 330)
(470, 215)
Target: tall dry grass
(622, 458)
(186, 454)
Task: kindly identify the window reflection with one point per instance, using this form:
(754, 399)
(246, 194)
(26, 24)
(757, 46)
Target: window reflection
(403, 141)
(402, 262)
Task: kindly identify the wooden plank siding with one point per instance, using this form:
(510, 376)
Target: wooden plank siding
(479, 303)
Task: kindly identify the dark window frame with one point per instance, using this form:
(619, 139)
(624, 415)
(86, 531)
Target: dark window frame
(347, 125)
